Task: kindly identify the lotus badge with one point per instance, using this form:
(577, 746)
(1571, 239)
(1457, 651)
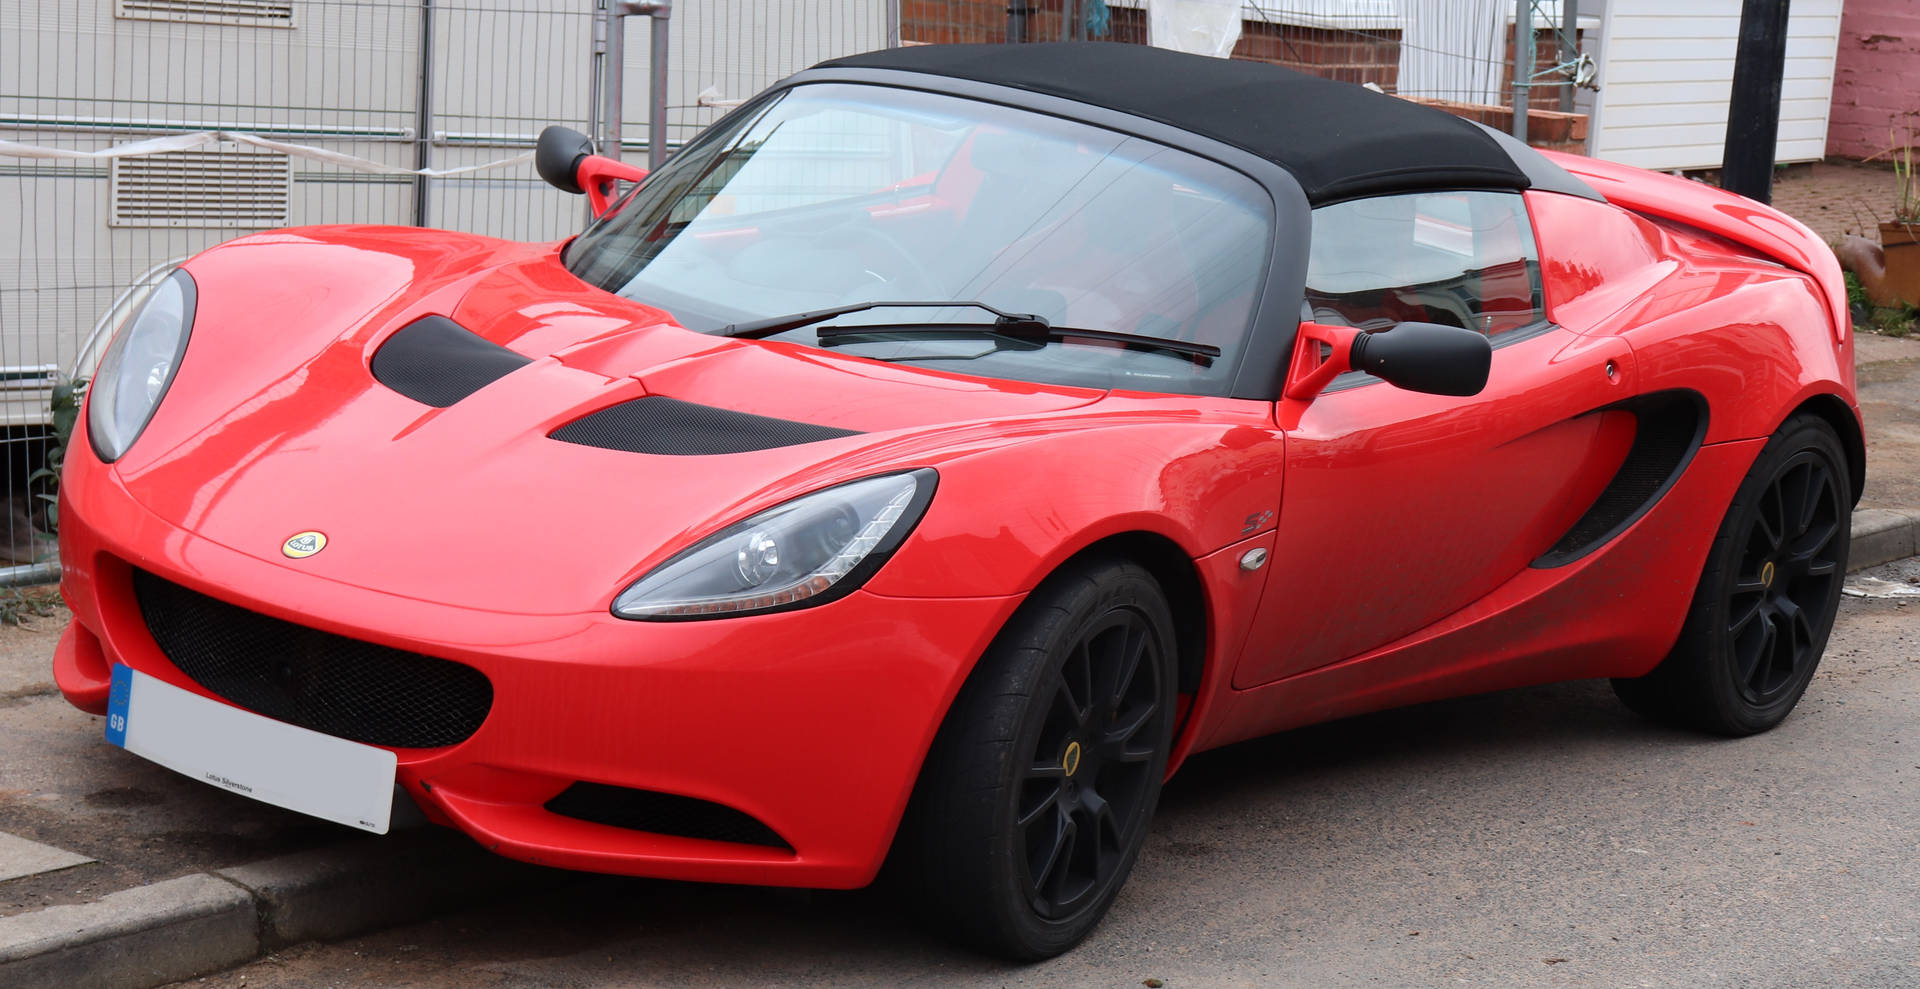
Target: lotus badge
(301, 545)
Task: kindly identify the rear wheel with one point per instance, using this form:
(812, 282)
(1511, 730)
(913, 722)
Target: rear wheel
(1767, 599)
(1035, 799)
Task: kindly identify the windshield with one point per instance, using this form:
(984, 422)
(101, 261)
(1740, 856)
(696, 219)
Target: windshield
(831, 194)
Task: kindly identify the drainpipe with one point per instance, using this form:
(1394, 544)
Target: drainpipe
(1753, 110)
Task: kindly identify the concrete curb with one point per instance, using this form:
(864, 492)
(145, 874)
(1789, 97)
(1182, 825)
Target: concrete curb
(145, 936)
(1883, 535)
(207, 922)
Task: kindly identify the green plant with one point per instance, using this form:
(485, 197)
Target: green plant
(65, 408)
(1906, 197)
(17, 604)
(1894, 321)
(1856, 292)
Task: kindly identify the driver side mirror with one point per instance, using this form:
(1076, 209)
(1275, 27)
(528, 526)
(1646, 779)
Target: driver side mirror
(565, 158)
(1423, 357)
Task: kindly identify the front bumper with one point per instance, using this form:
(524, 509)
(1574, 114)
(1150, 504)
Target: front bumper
(813, 722)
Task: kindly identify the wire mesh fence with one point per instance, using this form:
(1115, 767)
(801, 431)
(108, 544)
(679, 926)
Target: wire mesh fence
(248, 115)
(135, 133)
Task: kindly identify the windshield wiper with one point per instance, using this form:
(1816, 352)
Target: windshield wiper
(754, 329)
(1023, 328)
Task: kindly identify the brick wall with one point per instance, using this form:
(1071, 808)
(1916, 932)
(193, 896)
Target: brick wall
(1876, 75)
(1349, 56)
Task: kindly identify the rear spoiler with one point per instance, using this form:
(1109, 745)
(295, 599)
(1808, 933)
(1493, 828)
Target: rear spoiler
(1750, 224)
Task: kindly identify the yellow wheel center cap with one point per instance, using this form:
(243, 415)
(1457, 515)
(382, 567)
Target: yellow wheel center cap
(1071, 761)
(1766, 574)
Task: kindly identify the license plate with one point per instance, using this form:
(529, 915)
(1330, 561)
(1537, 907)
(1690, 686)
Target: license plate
(270, 761)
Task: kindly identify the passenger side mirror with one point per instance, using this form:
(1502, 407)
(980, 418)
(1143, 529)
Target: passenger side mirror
(1426, 357)
(1422, 357)
(565, 158)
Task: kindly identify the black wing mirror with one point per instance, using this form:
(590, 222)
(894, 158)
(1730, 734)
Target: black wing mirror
(1426, 357)
(565, 158)
(1422, 357)
(557, 157)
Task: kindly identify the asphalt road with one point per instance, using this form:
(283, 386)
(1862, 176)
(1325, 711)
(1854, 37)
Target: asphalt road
(1535, 837)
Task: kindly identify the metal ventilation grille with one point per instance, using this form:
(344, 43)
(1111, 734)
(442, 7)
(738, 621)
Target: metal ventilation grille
(206, 188)
(255, 13)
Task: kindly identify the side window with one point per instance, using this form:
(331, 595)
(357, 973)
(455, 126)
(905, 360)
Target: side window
(1458, 258)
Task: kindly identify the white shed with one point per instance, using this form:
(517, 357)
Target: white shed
(1666, 75)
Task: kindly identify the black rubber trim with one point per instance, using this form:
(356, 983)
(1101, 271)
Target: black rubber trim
(663, 813)
(668, 427)
(1669, 427)
(436, 361)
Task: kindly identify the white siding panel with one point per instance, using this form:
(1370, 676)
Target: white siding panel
(1666, 77)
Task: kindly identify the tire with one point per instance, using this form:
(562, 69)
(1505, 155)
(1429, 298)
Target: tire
(1766, 602)
(1051, 740)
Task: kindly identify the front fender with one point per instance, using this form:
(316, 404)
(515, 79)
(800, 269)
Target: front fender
(1011, 510)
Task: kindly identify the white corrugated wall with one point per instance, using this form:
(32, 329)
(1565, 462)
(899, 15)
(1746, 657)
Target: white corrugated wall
(1667, 73)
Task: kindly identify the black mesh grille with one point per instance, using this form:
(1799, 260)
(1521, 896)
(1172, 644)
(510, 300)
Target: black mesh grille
(1668, 428)
(436, 361)
(671, 428)
(329, 683)
(662, 813)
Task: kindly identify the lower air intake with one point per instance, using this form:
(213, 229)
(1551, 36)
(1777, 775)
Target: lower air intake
(329, 683)
(662, 813)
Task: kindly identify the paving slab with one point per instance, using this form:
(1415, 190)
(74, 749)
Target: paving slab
(1888, 372)
(22, 857)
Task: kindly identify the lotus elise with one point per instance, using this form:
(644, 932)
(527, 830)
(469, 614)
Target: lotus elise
(937, 451)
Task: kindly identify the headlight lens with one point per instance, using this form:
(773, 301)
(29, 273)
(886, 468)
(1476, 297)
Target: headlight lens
(808, 551)
(138, 366)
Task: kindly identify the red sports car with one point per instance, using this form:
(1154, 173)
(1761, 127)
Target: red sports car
(936, 452)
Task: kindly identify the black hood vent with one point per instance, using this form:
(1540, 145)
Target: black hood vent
(668, 427)
(436, 361)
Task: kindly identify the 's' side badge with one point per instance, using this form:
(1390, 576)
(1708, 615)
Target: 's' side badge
(304, 544)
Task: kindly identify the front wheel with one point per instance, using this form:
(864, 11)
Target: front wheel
(1767, 599)
(1035, 798)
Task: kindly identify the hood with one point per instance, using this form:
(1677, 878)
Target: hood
(276, 425)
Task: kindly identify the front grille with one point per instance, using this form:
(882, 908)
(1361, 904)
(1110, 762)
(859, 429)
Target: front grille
(663, 813)
(303, 676)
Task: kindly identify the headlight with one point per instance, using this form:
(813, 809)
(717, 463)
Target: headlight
(138, 366)
(808, 551)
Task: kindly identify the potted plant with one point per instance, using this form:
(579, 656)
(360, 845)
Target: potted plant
(1900, 236)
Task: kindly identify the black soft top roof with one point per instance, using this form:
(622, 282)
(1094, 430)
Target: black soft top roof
(1338, 140)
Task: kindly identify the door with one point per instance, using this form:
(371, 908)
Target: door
(1402, 508)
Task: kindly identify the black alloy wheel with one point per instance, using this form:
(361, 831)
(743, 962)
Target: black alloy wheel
(1090, 772)
(1035, 798)
(1767, 599)
(1785, 579)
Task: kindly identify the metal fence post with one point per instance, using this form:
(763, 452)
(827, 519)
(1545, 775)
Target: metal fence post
(1522, 65)
(1569, 48)
(596, 72)
(616, 72)
(661, 40)
(423, 116)
(614, 87)
(893, 23)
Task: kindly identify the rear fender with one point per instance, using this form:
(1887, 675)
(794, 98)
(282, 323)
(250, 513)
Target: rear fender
(1739, 219)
